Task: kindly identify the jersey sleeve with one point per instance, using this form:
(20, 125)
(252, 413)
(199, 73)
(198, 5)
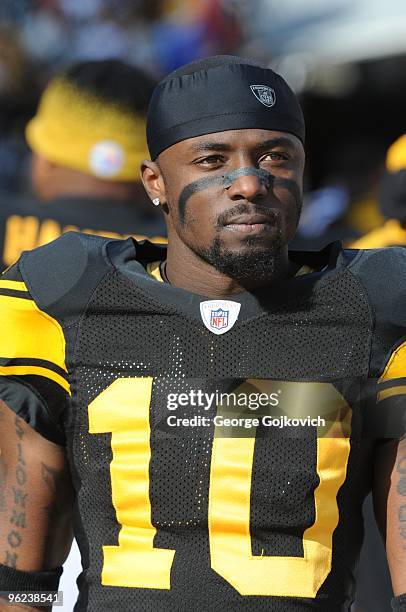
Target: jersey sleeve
(42, 299)
(391, 379)
(33, 375)
(382, 273)
(391, 393)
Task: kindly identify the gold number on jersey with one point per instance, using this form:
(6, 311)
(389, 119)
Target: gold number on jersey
(123, 410)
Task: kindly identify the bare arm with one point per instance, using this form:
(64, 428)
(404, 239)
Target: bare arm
(35, 499)
(390, 508)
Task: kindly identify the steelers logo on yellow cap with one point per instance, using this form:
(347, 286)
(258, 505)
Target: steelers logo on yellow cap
(76, 129)
(106, 159)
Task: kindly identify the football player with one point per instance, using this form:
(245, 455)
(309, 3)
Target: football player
(209, 407)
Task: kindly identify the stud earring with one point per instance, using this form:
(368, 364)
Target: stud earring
(156, 201)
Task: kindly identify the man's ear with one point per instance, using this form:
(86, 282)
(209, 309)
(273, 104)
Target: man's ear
(153, 181)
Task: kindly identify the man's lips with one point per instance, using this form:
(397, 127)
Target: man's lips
(250, 223)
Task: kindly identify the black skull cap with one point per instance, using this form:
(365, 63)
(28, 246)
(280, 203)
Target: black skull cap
(220, 93)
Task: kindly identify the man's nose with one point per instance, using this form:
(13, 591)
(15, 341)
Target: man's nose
(248, 187)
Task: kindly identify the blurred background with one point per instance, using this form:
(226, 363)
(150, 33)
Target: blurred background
(346, 59)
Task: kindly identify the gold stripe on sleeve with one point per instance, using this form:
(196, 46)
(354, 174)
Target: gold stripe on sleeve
(10, 284)
(382, 395)
(36, 371)
(396, 366)
(29, 333)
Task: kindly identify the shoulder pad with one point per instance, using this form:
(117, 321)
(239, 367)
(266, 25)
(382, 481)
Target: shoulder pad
(61, 275)
(383, 274)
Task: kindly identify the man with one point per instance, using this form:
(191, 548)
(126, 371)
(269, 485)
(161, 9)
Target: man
(87, 139)
(210, 396)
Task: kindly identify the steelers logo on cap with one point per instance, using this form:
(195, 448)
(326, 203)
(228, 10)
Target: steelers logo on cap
(106, 159)
(263, 93)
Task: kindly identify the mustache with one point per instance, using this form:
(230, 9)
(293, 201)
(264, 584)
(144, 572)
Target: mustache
(226, 180)
(246, 209)
(271, 214)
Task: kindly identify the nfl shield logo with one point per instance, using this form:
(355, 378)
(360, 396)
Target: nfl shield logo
(219, 316)
(266, 95)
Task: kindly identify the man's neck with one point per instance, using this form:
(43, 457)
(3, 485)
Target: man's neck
(186, 270)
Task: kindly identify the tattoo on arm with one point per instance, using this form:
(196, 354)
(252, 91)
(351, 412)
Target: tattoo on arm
(17, 518)
(401, 489)
(3, 481)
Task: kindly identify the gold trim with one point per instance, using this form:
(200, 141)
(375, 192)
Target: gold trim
(37, 371)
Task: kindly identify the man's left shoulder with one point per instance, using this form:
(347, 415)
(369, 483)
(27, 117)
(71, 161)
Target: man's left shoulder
(382, 273)
(377, 265)
(382, 259)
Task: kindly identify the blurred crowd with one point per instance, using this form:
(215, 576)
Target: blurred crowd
(40, 37)
(159, 33)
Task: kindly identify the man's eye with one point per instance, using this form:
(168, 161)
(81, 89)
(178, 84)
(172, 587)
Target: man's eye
(210, 160)
(274, 157)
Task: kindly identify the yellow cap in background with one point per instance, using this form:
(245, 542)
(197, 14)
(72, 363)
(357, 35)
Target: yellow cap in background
(79, 130)
(396, 156)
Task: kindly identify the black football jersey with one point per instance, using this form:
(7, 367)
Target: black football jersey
(220, 450)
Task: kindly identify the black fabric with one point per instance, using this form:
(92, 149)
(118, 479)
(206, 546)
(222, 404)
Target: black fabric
(38, 401)
(13, 293)
(18, 580)
(78, 264)
(381, 273)
(399, 603)
(216, 99)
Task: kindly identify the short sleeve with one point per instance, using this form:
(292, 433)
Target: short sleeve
(382, 273)
(391, 396)
(33, 375)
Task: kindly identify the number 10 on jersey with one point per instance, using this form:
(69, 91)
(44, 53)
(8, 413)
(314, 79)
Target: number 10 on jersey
(123, 410)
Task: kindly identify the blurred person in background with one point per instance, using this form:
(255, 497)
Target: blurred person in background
(87, 139)
(392, 201)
